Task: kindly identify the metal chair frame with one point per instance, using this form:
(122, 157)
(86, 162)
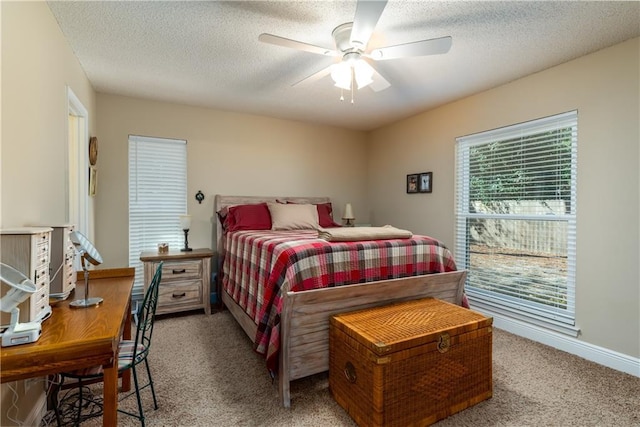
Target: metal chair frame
(141, 345)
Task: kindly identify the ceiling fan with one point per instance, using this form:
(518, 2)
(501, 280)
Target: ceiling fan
(351, 40)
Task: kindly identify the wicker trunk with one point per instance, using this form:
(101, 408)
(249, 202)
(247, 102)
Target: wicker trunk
(411, 363)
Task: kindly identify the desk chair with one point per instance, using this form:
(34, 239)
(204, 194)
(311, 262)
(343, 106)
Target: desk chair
(131, 354)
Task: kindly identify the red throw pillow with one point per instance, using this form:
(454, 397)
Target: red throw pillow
(248, 217)
(324, 215)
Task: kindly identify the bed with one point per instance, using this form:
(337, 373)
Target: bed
(285, 308)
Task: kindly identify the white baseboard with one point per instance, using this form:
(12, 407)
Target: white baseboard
(603, 356)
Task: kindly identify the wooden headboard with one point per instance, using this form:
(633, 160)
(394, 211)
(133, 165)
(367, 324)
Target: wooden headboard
(222, 201)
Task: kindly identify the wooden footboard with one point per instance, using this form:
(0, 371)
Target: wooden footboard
(245, 321)
(304, 323)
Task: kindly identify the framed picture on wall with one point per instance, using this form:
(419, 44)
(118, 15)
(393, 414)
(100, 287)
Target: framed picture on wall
(412, 183)
(425, 182)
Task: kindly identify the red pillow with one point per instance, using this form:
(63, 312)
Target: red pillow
(324, 215)
(248, 217)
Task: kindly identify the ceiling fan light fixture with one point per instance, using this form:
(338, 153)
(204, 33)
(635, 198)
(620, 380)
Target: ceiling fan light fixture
(341, 75)
(363, 73)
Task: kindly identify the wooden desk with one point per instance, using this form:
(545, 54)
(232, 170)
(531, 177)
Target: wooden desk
(75, 338)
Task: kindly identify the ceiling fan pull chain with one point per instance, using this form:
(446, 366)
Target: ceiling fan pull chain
(353, 83)
(341, 94)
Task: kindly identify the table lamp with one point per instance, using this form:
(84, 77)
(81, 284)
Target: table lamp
(88, 254)
(348, 215)
(21, 289)
(185, 224)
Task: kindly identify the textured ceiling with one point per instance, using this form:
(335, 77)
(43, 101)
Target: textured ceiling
(207, 53)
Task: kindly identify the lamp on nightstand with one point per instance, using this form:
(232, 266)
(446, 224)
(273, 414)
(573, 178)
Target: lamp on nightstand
(348, 215)
(185, 224)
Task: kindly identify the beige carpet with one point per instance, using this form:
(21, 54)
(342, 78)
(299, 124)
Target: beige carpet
(206, 374)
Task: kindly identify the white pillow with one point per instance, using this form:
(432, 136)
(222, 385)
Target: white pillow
(293, 216)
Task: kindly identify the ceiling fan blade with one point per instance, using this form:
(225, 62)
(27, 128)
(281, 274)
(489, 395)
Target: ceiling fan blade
(367, 16)
(293, 44)
(419, 48)
(314, 77)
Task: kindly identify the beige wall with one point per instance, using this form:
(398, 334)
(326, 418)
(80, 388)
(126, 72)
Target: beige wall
(37, 66)
(227, 153)
(604, 88)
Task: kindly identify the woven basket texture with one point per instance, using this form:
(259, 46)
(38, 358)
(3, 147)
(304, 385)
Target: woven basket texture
(410, 363)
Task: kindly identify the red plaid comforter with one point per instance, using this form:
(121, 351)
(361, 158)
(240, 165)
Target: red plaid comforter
(261, 266)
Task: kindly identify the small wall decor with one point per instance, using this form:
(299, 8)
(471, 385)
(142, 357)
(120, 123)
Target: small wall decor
(412, 183)
(93, 181)
(199, 196)
(425, 182)
(93, 150)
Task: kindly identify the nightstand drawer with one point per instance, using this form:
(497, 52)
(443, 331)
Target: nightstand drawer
(185, 283)
(174, 294)
(181, 270)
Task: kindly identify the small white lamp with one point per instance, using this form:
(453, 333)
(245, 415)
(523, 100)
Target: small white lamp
(348, 215)
(185, 224)
(88, 253)
(21, 289)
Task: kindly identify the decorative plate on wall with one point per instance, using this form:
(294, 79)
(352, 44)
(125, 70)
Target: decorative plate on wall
(93, 150)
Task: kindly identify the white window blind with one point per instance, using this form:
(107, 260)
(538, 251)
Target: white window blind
(516, 220)
(157, 197)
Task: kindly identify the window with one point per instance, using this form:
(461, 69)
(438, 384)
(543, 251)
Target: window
(157, 197)
(516, 220)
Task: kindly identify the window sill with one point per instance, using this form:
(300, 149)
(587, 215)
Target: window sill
(495, 309)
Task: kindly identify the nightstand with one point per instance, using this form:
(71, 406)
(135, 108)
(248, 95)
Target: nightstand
(186, 279)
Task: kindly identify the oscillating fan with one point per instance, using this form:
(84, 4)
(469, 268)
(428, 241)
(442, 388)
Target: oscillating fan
(351, 41)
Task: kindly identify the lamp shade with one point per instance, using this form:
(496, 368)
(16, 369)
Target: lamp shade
(344, 72)
(185, 222)
(341, 75)
(363, 73)
(348, 212)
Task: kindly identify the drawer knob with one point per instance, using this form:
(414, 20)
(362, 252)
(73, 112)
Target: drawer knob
(182, 295)
(178, 271)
